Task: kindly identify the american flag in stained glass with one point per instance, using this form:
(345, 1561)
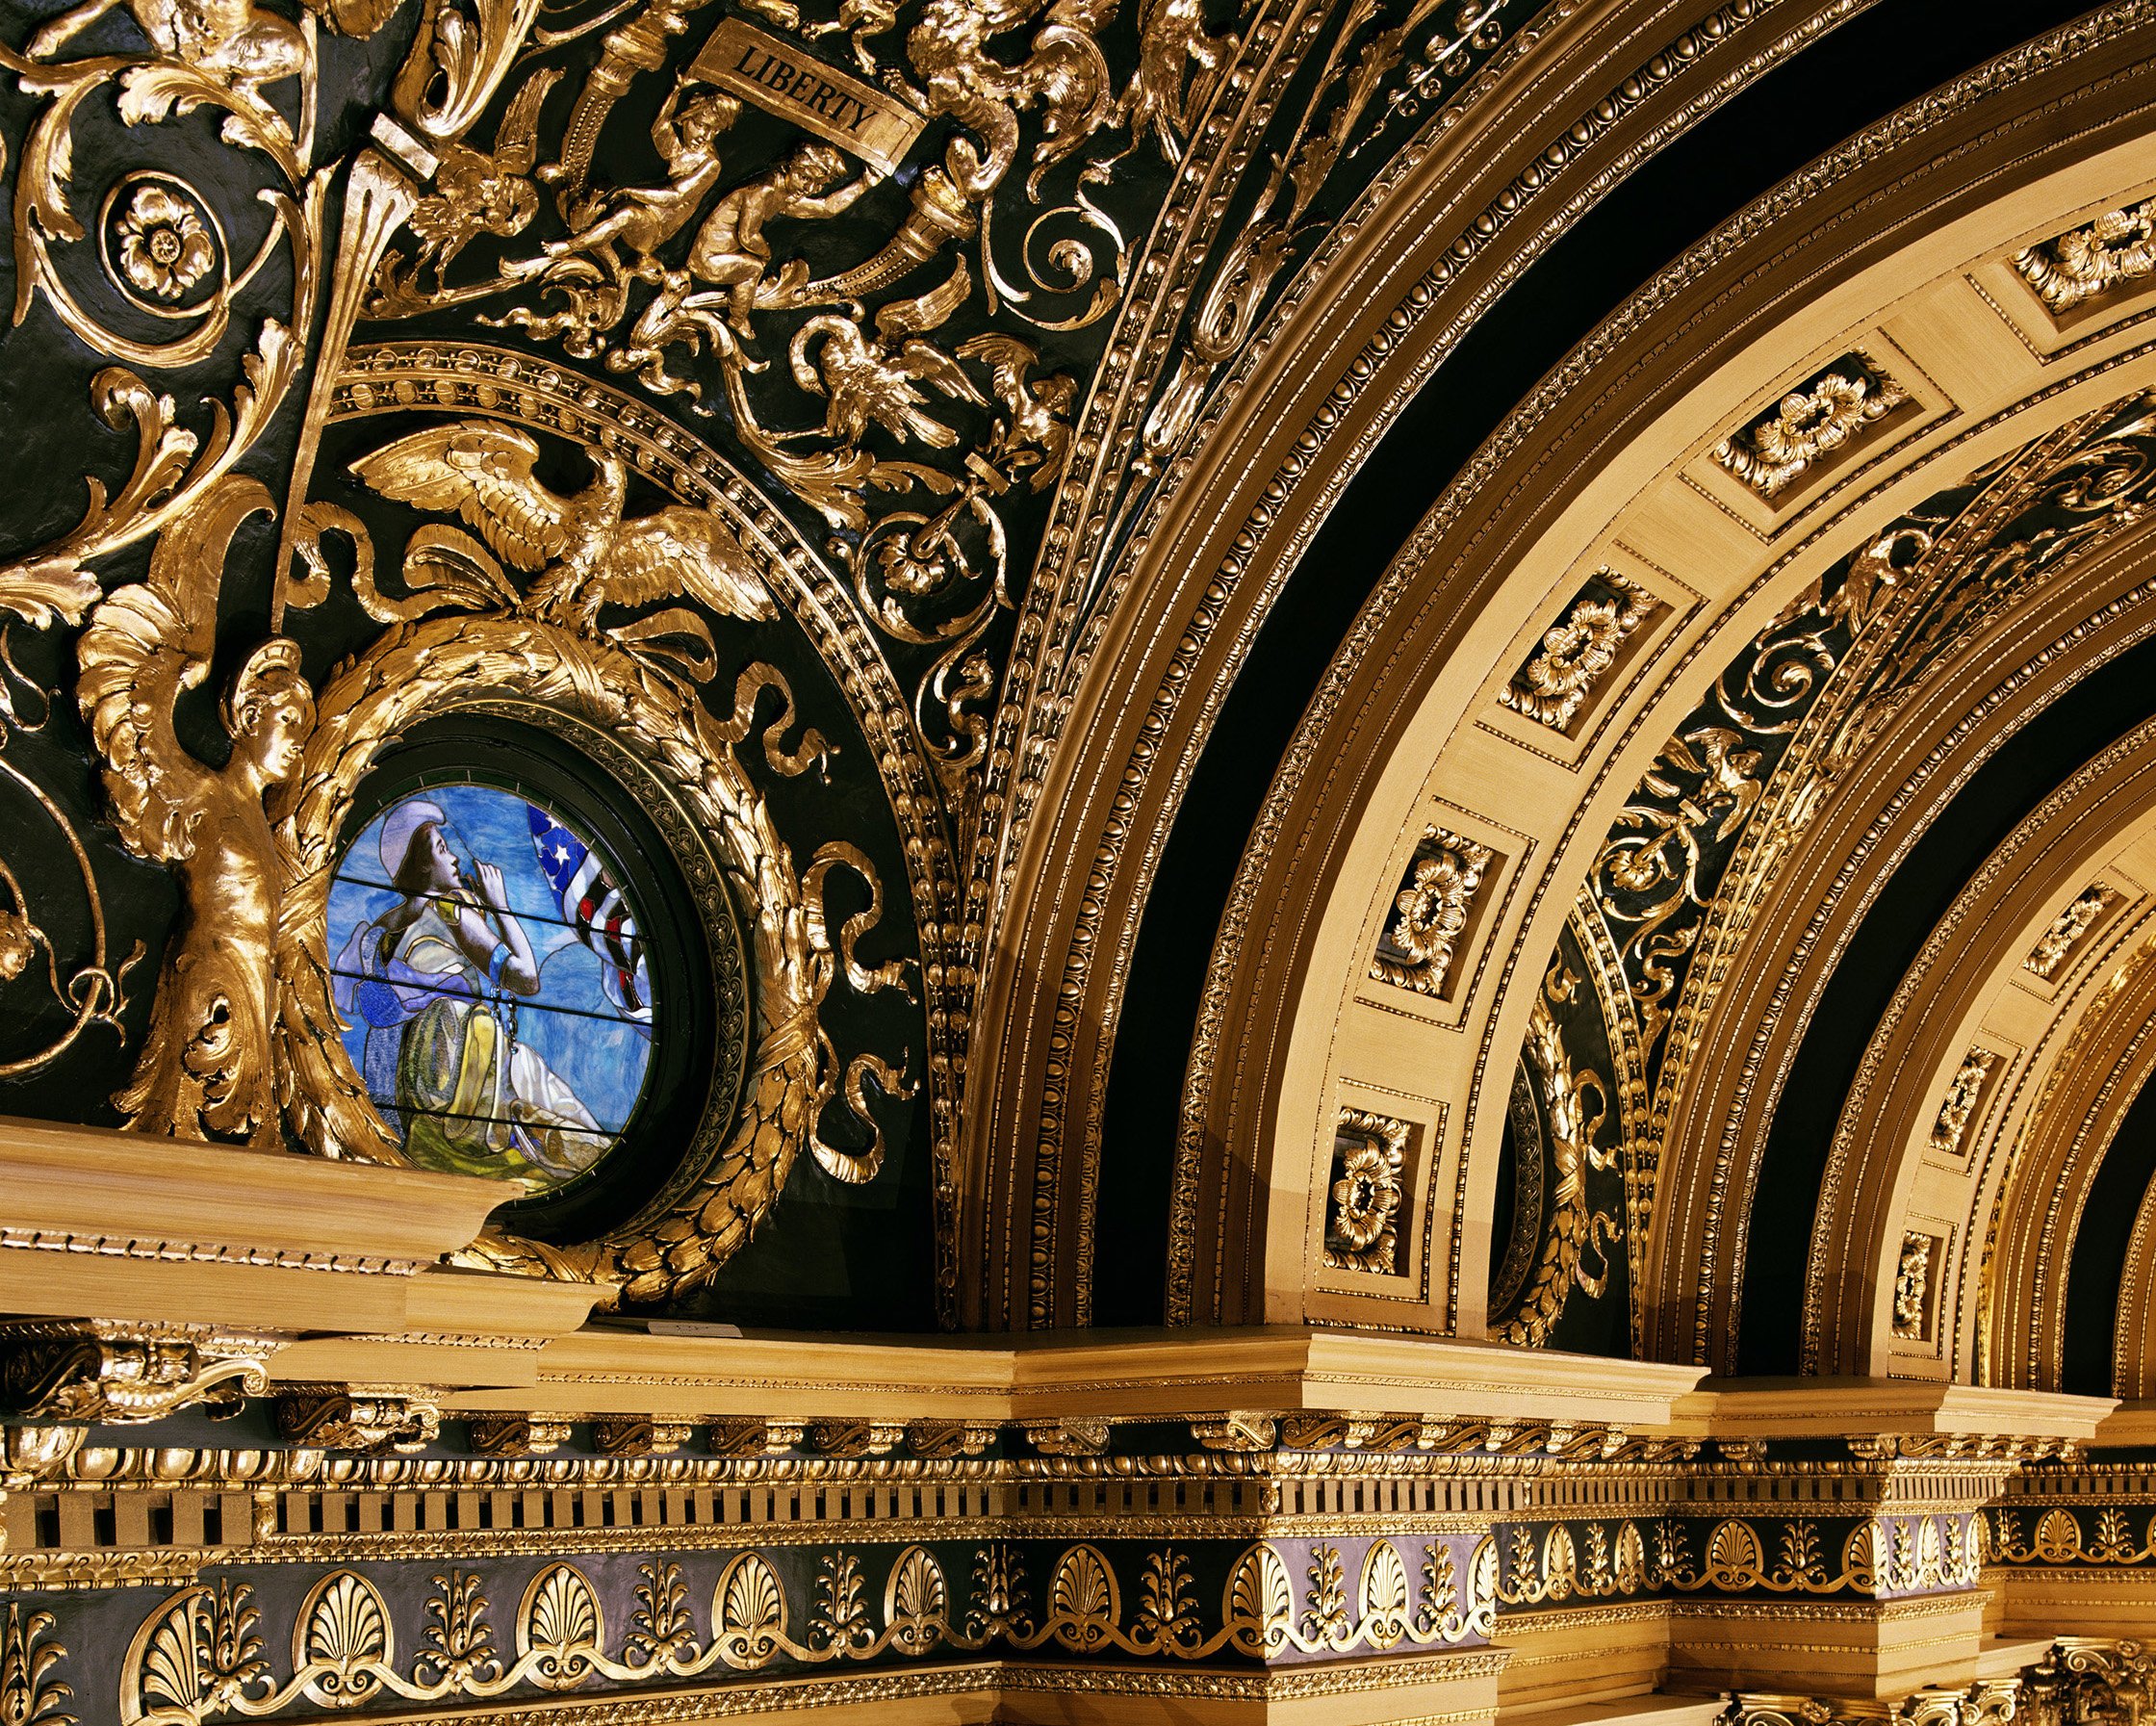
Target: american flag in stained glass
(593, 906)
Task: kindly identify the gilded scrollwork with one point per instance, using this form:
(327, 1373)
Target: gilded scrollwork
(1578, 650)
(1913, 1285)
(2067, 930)
(1368, 1191)
(1431, 911)
(1575, 1106)
(359, 1417)
(1962, 1092)
(114, 1372)
(2111, 1680)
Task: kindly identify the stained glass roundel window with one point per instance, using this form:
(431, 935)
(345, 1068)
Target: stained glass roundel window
(495, 984)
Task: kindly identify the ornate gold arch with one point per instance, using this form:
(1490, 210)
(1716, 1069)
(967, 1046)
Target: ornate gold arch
(1410, 736)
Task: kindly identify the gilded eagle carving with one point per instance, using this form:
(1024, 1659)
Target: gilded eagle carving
(585, 554)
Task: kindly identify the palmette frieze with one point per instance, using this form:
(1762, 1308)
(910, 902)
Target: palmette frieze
(202, 1651)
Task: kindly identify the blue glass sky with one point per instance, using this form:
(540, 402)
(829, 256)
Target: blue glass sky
(602, 1058)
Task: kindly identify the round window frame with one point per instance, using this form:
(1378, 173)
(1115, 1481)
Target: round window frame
(695, 944)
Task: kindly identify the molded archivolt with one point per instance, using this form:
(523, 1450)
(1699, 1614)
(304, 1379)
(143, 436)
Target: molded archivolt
(1412, 729)
(1107, 740)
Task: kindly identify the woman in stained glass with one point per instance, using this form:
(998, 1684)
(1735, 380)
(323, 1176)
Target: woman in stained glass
(442, 971)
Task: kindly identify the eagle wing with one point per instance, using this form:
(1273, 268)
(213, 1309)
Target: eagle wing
(680, 552)
(482, 473)
(1008, 360)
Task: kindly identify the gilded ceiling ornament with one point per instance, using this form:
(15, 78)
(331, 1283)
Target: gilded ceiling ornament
(1237, 1430)
(1575, 1104)
(2067, 928)
(639, 1435)
(1431, 911)
(753, 1437)
(31, 1693)
(1810, 423)
(1913, 1286)
(165, 242)
(1960, 1102)
(1362, 1221)
(934, 1440)
(590, 557)
(2114, 251)
(516, 1434)
(29, 1453)
(856, 1437)
(109, 1372)
(1576, 652)
(483, 193)
(1082, 1438)
(358, 1417)
(1523, 1118)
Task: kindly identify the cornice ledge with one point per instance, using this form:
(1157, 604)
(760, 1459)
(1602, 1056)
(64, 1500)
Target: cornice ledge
(98, 1223)
(1126, 1375)
(2131, 1423)
(1861, 1407)
(98, 1182)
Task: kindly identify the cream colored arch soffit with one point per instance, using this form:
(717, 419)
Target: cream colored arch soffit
(1924, 1138)
(2045, 1151)
(1134, 657)
(1984, 367)
(1495, 565)
(1823, 842)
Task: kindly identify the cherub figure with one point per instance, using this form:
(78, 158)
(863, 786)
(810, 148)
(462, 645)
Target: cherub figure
(479, 192)
(730, 252)
(241, 43)
(642, 218)
(205, 1067)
